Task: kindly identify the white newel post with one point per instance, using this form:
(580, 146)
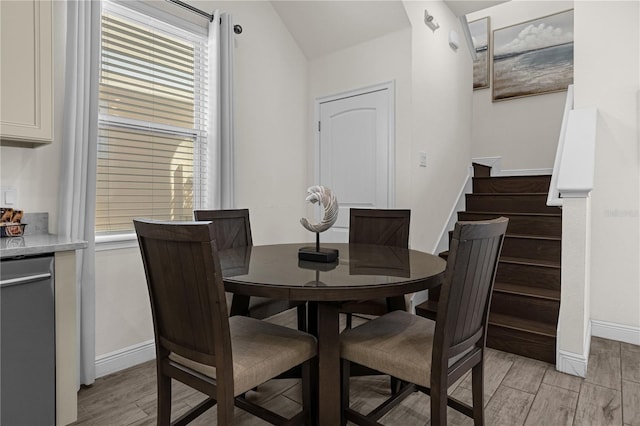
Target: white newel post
(575, 182)
(574, 325)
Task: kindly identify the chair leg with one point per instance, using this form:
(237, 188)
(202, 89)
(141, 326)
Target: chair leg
(306, 391)
(349, 321)
(477, 386)
(164, 399)
(344, 391)
(225, 410)
(395, 385)
(439, 400)
(302, 317)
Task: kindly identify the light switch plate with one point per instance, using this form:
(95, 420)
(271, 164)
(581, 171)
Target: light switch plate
(9, 196)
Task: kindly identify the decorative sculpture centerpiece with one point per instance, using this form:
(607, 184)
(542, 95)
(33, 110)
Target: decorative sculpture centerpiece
(328, 200)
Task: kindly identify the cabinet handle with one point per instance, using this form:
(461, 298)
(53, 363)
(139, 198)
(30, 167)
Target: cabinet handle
(23, 280)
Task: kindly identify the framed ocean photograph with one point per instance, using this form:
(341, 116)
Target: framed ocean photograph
(533, 57)
(479, 30)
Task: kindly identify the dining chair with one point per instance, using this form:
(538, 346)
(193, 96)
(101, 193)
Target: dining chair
(379, 227)
(197, 343)
(430, 356)
(233, 229)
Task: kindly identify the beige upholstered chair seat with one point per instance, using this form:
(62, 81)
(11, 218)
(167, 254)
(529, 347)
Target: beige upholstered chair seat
(260, 351)
(397, 343)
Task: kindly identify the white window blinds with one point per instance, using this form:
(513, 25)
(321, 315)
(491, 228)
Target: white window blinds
(152, 153)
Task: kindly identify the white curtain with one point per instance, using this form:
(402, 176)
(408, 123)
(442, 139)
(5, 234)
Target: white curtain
(77, 194)
(221, 125)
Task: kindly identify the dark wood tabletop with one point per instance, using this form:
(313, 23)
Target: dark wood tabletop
(361, 272)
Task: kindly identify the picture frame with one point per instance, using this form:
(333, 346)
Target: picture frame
(480, 32)
(533, 57)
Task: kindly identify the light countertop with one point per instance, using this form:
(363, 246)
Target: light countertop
(30, 245)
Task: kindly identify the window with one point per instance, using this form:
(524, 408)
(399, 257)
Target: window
(152, 151)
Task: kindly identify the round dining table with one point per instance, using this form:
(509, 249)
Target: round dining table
(361, 272)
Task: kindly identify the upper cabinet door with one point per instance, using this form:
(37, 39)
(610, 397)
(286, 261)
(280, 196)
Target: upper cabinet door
(26, 72)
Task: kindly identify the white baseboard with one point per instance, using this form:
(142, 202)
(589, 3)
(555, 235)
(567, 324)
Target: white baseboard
(572, 363)
(443, 241)
(575, 363)
(125, 358)
(524, 172)
(618, 332)
(496, 168)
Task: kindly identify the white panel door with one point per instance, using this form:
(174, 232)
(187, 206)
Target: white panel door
(354, 154)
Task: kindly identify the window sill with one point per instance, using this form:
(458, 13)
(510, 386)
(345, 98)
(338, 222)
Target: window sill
(116, 242)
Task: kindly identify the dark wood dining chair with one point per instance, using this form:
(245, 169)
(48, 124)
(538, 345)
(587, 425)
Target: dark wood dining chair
(428, 355)
(233, 229)
(379, 227)
(197, 343)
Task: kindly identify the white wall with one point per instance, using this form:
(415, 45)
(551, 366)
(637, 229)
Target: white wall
(523, 131)
(607, 76)
(123, 314)
(441, 122)
(271, 137)
(380, 60)
(271, 105)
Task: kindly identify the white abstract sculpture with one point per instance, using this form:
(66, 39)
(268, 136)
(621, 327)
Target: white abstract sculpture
(328, 200)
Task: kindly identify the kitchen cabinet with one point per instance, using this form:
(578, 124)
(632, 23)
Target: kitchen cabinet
(26, 72)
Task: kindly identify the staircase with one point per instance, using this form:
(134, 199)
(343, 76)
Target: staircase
(526, 297)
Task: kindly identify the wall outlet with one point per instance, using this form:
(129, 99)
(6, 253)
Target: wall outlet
(423, 159)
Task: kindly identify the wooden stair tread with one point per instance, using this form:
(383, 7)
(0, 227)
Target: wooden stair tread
(519, 261)
(480, 170)
(519, 214)
(428, 309)
(520, 324)
(532, 262)
(533, 237)
(512, 177)
(522, 290)
(508, 194)
(529, 237)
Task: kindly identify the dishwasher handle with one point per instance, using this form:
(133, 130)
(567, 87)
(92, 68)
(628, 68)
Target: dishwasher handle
(24, 280)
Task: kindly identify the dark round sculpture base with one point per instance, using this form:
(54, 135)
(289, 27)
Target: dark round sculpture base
(322, 255)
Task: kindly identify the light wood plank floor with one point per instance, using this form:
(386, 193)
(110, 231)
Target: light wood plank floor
(518, 391)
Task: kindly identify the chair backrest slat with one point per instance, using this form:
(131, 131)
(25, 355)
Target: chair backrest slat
(231, 227)
(380, 227)
(185, 287)
(466, 293)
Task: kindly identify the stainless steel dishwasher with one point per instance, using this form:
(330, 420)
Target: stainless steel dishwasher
(27, 342)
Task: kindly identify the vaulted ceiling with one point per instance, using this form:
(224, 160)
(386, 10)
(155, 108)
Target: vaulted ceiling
(321, 26)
